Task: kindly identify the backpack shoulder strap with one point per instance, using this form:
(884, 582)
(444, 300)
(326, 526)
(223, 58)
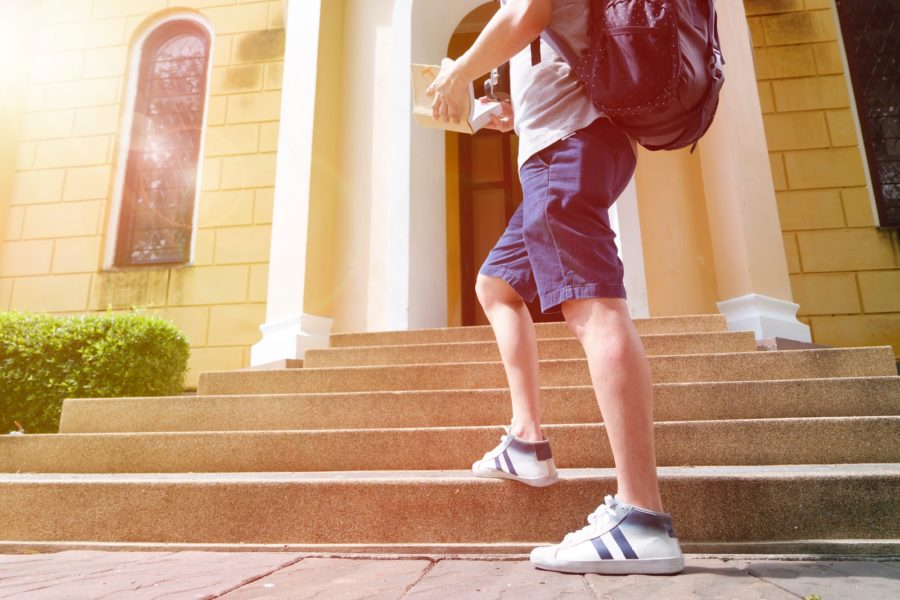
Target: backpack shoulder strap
(714, 31)
(559, 45)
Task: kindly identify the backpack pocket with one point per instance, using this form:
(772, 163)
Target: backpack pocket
(637, 61)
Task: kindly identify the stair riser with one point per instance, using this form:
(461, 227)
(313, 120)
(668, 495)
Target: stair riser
(749, 366)
(674, 402)
(716, 509)
(654, 345)
(484, 333)
(865, 549)
(760, 442)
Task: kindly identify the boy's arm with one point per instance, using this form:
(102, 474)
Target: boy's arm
(511, 29)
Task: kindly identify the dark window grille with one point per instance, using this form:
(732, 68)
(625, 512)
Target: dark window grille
(871, 31)
(161, 172)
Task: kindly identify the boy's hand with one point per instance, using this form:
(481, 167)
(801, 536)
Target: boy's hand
(449, 91)
(505, 121)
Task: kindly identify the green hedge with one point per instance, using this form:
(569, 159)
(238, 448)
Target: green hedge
(45, 359)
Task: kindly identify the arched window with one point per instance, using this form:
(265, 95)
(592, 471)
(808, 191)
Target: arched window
(160, 180)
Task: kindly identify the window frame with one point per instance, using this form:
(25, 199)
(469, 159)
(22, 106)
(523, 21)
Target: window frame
(876, 204)
(139, 45)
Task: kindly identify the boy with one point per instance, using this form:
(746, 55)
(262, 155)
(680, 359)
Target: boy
(573, 164)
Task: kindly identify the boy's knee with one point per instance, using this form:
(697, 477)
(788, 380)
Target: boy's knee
(490, 290)
(584, 316)
(576, 313)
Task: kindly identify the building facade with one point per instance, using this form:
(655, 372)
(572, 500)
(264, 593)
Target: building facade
(250, 170)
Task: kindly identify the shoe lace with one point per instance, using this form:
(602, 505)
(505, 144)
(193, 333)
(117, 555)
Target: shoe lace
(489, 454)
(599, 520)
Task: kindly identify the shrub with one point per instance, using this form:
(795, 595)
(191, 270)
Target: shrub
(45, 359)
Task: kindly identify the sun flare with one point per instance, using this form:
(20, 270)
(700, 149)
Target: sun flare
(14, 42)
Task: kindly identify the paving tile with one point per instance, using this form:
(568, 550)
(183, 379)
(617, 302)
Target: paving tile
(48, 564)
(702, 579)
(77, 575)
(336, 579)
(80, 575)
(463, 579)
(831, 580)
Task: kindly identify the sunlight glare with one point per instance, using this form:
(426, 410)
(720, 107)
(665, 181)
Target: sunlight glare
(13, 41)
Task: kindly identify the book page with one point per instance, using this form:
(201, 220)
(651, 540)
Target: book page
(481, 113)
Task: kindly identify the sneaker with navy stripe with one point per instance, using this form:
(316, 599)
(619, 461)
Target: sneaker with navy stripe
(528, 462)
(619, 539)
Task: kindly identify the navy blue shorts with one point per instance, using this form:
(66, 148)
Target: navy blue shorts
(559, 245)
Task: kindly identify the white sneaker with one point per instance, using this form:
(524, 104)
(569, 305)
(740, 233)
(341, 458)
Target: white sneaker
(620, 539)
(528, 462)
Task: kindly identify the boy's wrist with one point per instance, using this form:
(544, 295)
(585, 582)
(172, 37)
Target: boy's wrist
(461, 70)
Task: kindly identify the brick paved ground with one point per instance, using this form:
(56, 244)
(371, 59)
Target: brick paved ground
(82, 575)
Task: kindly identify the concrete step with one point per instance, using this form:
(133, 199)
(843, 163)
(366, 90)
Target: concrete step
(712, 506)
(557, 348)
(484, 333)
(816, 440)
(827, 397)
(737, 366)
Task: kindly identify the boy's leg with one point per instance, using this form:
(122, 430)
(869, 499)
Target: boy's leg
(514, 330)
(620, 375)
(628, 533)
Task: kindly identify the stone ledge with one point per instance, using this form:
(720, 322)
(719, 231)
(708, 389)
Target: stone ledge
(285, 363)
(779, 343)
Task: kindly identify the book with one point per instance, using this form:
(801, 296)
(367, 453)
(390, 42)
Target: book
(479, 114)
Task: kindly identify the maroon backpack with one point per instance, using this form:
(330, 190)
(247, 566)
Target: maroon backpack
(653, 66)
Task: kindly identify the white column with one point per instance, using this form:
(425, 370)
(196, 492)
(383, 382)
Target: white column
(745, 230)
(418, 253)
(288, 332)
(625, 221)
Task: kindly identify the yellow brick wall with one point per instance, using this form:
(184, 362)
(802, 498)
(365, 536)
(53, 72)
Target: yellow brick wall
(845, 272)
(55, 231)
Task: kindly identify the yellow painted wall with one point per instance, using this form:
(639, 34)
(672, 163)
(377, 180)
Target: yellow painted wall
(678, 257)
(845, 272)
(52, 254)
(326, 177)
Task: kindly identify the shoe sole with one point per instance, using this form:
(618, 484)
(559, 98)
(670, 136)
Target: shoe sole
(635, 566)
(533, 482)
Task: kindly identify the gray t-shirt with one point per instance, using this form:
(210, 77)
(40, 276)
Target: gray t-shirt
(548, 100)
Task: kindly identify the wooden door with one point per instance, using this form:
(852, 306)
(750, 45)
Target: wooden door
(489, 194)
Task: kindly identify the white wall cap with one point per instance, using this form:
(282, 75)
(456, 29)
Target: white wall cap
(765, 316)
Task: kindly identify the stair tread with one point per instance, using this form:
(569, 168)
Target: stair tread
(443, 428)
(779, 355)
(891, 379)
(786, 364)
(822, 440)
(681, 401)
(759, 472)
(682, 334)
(444, 351)
(707, 322)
